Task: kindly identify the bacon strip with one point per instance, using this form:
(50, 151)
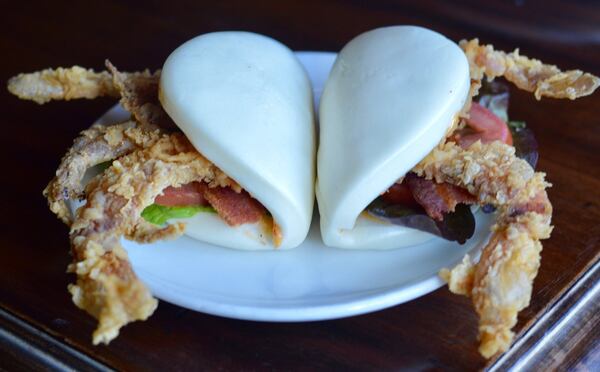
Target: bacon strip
(188, 194)
(399, 193)
(235, 208)
(437, 198)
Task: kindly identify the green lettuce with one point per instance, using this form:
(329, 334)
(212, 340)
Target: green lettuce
(104, 165)
(159, 214)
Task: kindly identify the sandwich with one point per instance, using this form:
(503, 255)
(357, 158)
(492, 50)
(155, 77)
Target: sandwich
(412, 140)
(220, 145)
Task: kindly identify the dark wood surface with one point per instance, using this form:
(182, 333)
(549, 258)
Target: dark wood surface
(437, 331)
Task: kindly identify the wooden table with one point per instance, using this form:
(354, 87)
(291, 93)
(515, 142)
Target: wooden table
(39, 326)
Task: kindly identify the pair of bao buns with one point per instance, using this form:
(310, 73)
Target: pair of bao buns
(245, 102)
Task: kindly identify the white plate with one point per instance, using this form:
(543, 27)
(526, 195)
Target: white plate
(310, 282)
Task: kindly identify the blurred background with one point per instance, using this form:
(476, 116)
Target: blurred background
(141, 34)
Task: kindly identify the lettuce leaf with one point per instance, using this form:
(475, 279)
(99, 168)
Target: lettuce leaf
(526, 146)
(104, 165)
(494, 96)
(159, 214)
(455, 226)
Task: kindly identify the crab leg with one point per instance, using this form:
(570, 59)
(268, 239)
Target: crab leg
(527, 73)
(62, 84)
(95, 145)
(139, 96)
(500, 283)
(107, 287)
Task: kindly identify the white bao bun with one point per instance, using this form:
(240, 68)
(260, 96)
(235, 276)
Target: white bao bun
(245, 103)
(391, 95)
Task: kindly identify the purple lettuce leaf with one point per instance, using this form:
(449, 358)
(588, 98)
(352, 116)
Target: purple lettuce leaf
(455, 226)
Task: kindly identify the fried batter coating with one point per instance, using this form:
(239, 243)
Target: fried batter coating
(146, 232)
(62, 84)
(526, 73)
(107, 287)
(139, 96)
(500, 283)
(138, 90)
(95, 145)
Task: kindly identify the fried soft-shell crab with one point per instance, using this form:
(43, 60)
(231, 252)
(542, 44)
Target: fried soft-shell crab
(149, 155)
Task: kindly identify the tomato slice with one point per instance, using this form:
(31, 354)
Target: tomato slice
(188, 194)
(485, 126)
(399, 193)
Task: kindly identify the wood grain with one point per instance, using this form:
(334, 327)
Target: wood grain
(435, 332)
(566, 336)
